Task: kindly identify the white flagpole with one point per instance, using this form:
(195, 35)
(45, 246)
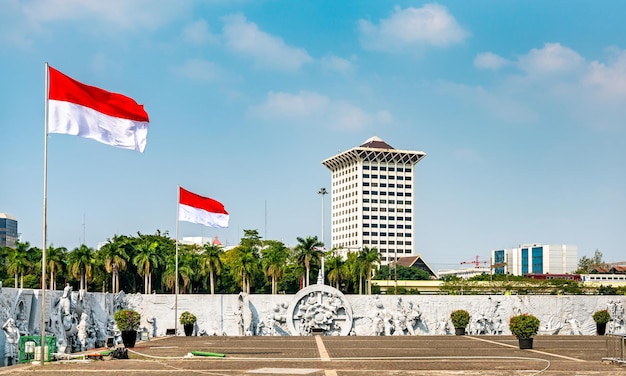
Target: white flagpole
(176, 283)
(45, 215)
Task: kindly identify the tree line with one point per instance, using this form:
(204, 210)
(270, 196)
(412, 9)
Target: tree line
(146, 263)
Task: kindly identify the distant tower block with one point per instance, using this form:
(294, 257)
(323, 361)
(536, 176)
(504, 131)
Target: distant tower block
(372, 199)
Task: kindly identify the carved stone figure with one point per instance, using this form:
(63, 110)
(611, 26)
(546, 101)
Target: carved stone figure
(11, 347)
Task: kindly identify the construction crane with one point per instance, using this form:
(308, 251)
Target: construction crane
(475, 261)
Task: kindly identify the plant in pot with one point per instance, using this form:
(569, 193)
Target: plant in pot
(460, 318)
(524, 327)
(127, 321)
(188, 319)
(601, 318)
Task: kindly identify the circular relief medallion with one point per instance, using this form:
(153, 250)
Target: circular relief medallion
(319, 309)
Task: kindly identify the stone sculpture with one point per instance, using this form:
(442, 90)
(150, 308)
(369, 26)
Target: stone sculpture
(11, 348)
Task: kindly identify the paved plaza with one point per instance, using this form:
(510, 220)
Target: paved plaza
(348, 356)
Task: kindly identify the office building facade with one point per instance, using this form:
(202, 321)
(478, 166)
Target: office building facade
(535, 259)
(8, 230)
(372, 202)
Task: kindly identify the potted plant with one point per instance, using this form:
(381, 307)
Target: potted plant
(127, 321)
(524, 327)
(460, 318)
(188, 319)
(601, 318)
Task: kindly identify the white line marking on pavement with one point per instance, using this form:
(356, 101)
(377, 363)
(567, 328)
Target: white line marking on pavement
(322, 349)
(535, 351)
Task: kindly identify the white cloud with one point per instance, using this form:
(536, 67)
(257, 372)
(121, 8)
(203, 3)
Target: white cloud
(200, 70)
(608, 79)
(22, 21)
(286, 105)
(198, 33)
(552, 59)
(121, 14)
(315, 109)
(267, 51)
(410, 28)
(337, 64)
(500, 105)
(489, 60)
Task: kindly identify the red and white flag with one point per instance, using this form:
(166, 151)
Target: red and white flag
(203, 210)
(87, 111)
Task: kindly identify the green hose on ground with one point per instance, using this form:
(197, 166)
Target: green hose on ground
(206, 353)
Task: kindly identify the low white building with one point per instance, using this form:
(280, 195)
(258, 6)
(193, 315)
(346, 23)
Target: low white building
(535, 258)
(464, 273)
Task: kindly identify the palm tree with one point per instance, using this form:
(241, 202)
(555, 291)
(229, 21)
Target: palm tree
(210, 259)
(305, 251)
(55, 260)
(80, 262)
(187, 264)
(17, 261)
(370, 257)
(114, 254)
(245, 265)
(168, 277)
(336, 269)
(274, 258)
(148, 256)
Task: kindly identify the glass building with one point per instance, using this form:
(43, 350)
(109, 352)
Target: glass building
(8, 230)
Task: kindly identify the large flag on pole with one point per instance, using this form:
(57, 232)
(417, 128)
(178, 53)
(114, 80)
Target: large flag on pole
(203, 210)
(87, 111)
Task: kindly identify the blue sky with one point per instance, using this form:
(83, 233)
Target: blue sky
(520, 106)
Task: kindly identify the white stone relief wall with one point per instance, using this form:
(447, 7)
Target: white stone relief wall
(81, 320)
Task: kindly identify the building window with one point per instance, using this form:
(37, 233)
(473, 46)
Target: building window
(374, 168)
(366, 184)
(366, 217)
(366, 167)
(366, 233)
(366, 176)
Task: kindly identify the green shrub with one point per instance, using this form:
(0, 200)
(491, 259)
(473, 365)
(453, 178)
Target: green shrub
(460, 318)
(524, 325)
(601, 317)
(187, 318)
(127, 319)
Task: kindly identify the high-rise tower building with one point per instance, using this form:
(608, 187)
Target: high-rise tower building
(8, 230)
(372, 199)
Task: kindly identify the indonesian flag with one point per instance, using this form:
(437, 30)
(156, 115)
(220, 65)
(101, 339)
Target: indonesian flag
(87, 111)
(203, 210)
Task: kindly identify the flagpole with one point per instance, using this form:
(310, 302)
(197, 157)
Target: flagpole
(176, 273)
(45, 216)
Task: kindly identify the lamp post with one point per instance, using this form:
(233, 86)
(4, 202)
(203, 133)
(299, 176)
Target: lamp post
(323, 192)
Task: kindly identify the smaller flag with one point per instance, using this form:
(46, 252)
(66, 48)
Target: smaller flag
(203, 210)
(90, 112)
